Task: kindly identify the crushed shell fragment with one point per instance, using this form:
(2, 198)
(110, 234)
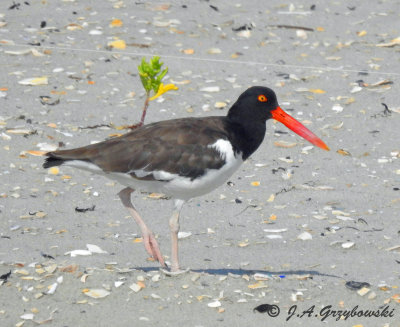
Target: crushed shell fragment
(96, 293)
(305, 236)
(214, 304)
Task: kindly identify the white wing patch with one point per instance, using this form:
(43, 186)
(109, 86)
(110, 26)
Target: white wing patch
(158, 174)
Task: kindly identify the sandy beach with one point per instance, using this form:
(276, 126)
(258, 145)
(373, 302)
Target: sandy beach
(297, 237)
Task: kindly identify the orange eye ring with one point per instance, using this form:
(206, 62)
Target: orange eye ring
(262, 98)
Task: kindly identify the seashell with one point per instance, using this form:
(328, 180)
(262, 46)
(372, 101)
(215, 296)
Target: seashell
(214, 304)
(305, 236)
(96, 293)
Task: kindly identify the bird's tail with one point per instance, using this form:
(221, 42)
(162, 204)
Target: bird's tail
(52, 161)
(57, 158)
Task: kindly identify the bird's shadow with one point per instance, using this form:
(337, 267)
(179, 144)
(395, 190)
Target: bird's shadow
(225, 271)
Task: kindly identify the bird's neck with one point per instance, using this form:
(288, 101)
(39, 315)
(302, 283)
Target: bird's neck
(246, 135)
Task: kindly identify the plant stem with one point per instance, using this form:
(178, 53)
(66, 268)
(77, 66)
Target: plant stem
(146, 105)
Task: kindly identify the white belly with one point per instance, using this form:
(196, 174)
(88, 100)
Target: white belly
(180, 187)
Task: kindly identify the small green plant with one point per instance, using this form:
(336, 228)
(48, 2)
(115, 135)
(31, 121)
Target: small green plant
(151, 75)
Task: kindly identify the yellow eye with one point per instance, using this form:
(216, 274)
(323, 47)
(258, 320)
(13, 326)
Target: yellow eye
(262, 98)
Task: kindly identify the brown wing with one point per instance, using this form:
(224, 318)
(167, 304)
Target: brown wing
(179, 146)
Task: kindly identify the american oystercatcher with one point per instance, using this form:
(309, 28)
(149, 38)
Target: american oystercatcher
(182, 158)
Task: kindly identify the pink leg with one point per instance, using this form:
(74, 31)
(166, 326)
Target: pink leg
(174, 228)
(149, 240)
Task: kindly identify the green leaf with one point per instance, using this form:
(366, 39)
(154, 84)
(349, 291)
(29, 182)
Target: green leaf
(155, 85)
(163, 73)
(150, 73)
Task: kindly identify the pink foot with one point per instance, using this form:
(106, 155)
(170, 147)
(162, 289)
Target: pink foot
(153, 249)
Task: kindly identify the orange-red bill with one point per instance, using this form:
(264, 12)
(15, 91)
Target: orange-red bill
(297, 127)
